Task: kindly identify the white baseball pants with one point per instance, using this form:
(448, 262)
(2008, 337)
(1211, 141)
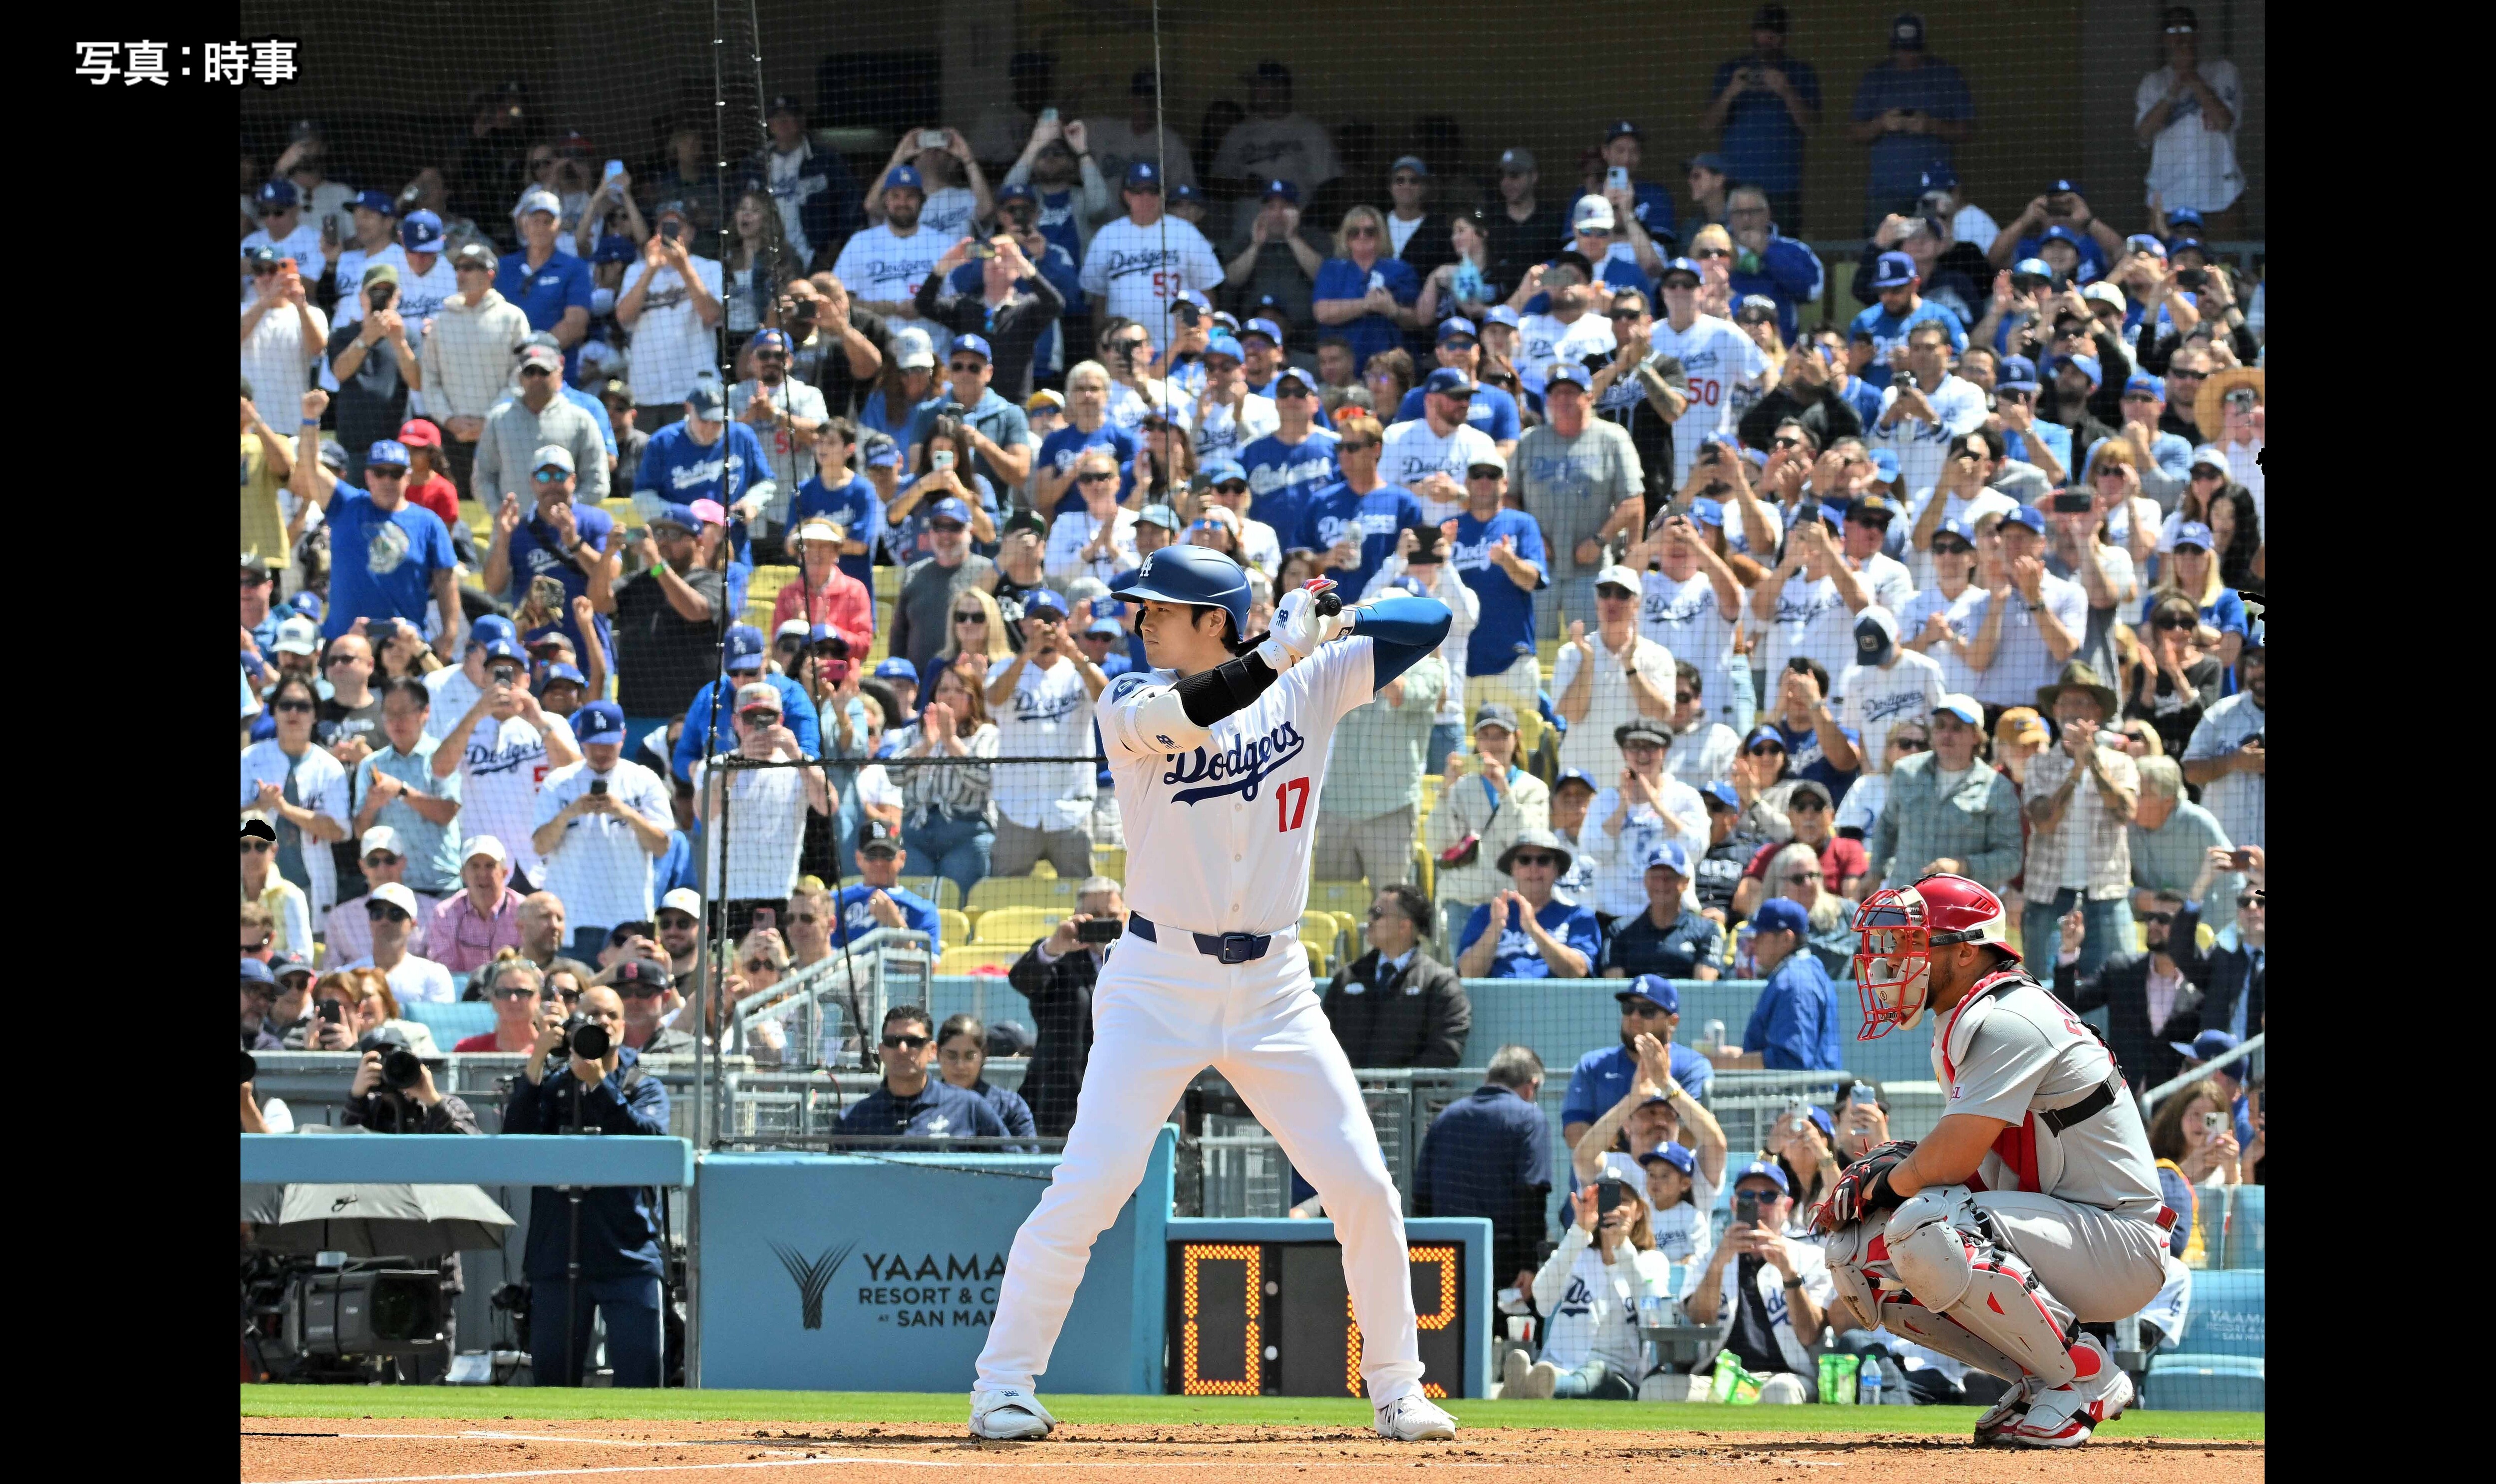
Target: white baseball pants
(1161, 1013)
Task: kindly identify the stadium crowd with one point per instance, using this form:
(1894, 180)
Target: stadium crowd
(552, 507)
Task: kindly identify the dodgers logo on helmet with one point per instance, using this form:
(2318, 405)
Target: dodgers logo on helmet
(1197, 575)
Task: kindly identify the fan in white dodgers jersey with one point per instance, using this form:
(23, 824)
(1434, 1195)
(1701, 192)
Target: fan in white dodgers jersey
(2029, 1219)
(1219, 753)
(1138, 265)
(1716, 357)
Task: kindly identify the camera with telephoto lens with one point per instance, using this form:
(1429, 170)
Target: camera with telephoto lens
(585, 1039)
(400, 1068)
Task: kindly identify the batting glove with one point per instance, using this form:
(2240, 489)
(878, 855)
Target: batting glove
(1300, 626)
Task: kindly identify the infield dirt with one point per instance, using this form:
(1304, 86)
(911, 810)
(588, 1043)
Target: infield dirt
(303, 1450)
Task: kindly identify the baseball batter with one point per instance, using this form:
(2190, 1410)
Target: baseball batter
(1220, 753)
(2031, 1209)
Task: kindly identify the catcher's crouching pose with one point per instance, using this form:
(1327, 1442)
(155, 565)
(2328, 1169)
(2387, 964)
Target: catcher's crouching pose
(2031, 1209)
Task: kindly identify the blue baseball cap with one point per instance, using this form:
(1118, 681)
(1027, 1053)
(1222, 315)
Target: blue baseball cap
(885, 454)
(2201, 1048)
(2089, 368)
(2018, 373)
(825, 633)
(559, 670)
(1019, 191)
(375, 200)
(1284, 189)
(1766, 1169)
(977, 344)
(1567, 775)
(2142, 381)
(1040, 600)
(743, 648)
(2026, 516)
(948, 508)
(264, 254)
(1451, 382)
(1456, 328)
(1142, 175)
(681, 516)
(492, 627)
(2143, 242)
(2183, 216)
(277, 195)
(611, 249)
(2187, 244)
(764, 338)
(1885, 463)
(309, 603)
(1940, 178)
(2030, 267)
(1672, 855)
(1194, 300)
(1720, 791)
(1183, 193)
(1967, 708)
(600, 720)
(1704, 512)
(1678, 1155)
(1106, 628)
(897, 668)
(2058, 232)
(2191, 533)
(1567, 373)
(1651, 986)
(1781, 914)
(1501, 314)
(1261, 326)
(1221, 467)
(1678, 266)
(1821, 1119)
(254, 971)
(504, 649)
(422, 232)
(390, 452)
(1954, 526)
(1832, 517)
(905, 177)
(1219, 345)
(1893, 270)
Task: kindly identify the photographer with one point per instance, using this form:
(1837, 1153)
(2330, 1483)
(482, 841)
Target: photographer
(1772, 1291)
(394, 1091)
(1056, 976)
(1591, 1286)
(612, 1233)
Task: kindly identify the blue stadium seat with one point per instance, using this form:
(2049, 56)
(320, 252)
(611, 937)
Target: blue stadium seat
(2218, 1364)
(2248, 1228)
(452, 1023)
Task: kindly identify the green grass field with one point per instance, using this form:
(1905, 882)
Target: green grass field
(947, 1411)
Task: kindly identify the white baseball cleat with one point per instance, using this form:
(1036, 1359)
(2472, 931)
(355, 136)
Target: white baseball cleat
(2063, 1416)
(1009, 1416)
(1998, 1418)
(1414, 1419)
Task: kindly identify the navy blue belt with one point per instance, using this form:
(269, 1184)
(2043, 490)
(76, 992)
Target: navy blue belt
(1228, 947)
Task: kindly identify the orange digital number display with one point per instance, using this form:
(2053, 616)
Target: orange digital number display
(1438, 1315)
(1209, 1264)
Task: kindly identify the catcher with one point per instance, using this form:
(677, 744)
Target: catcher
(2033, 1207)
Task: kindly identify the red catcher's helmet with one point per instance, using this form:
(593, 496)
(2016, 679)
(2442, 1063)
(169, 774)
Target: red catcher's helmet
(1900, 927)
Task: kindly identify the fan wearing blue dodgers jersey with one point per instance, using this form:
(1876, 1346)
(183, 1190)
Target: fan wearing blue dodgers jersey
(1351, 523)
(1220, 753)
(1491, 410)
(1291, 464)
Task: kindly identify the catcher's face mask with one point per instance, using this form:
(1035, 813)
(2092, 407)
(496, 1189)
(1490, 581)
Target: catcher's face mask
(1893, 966)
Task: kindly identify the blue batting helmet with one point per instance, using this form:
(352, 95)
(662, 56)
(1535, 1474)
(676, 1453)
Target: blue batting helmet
(1197, 575)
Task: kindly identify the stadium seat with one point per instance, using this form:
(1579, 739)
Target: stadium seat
(1018, 926)
(2247, 1243)
(976, 957)
(1110, 862)
(763, 590)
(943, 890)
(1323, 929)
(1351, 897)
(1047, 891)
(956, 928)
(1429, 792)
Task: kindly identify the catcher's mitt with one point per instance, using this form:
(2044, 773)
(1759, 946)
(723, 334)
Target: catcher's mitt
(1864, 1188)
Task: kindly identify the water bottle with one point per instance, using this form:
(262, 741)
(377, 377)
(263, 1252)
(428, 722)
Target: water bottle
(1867, 1383)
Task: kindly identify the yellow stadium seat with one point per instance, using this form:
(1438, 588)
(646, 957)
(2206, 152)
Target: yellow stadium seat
(956, 928)
(763, 590)
(968, 960)
(1320, 927)
(943, 890)
(1352, 897)
(1429, 792)
(1353, 940)
(1111, 863)
(1018, 925)
(1046, 892)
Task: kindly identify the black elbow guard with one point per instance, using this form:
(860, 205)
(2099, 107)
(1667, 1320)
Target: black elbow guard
(1209, 696)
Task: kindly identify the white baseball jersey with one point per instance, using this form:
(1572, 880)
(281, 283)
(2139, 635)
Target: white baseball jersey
(1139, 271)
(882, 265)
(1724, 366)
(2012, 1054)
(1218, 430)
(1218, 838)
(1411, 450)
(1812, 620)
(1047, 715)
(1620, 860)
(1892, 585)
(1687, 618)
(1873, 698)
(1962, 613)
(1542, 339)
(1921, 446)
(1954, 507)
